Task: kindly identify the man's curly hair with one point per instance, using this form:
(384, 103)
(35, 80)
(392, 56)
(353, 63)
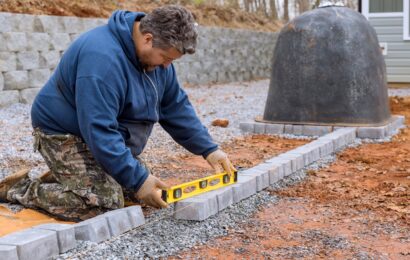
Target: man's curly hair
(171, 26)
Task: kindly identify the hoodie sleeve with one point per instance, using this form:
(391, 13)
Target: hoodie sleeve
(178, 118)
(97, 104)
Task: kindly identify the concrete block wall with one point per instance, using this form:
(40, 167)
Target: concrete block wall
(32, 45)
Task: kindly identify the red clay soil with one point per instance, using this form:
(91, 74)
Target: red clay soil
(204, 13)
(358, 207)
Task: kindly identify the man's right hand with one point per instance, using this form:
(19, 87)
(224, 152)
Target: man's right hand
(150, 192)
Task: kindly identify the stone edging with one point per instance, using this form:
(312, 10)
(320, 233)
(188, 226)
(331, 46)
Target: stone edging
(49, 240)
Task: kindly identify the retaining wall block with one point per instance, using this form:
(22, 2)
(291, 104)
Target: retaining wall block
(5, 21)
(259, 128)
(15, 41)
(28, 95)
(262, 177)
(274, 129)
(65, 235)
(14, 80)
(37, 41)
(244, 188)
(49, 24)
(49, 59)
(73, 25)
(37, 78)
(8, 252)
(8, 97)
(33, 244)
(197, 208)
(94, 230)
(247, 127)
(135, 215)
(8, 61)
(23, 22)
(60, 41)
(27, 60)
(316, 130)
(1, 81)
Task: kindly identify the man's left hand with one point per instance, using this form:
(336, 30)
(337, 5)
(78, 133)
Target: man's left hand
(219, 160)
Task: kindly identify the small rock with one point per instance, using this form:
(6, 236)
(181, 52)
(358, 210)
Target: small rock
(221, 122)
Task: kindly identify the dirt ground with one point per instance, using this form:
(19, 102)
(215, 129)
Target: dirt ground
(357, 208)
(205, 14)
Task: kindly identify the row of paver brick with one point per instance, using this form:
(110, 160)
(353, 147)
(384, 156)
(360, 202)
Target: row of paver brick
(48, 240)
(371, 132)
(261, 176)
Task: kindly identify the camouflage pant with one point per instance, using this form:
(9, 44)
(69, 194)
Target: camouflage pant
(78, 188)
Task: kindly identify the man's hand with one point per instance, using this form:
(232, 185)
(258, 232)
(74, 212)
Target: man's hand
(218, 160)
(150, 192)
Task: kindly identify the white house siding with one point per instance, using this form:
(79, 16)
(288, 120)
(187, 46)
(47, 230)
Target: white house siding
(390, 30)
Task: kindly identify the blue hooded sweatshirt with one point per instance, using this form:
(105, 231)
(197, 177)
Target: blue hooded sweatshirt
(100, 92)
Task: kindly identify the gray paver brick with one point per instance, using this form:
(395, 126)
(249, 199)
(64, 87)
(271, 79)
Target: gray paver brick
(274, 129)
(65, 235)
(297, 160)
(8, 61)
(275, 175)
(135, 215)
(49, 59)
(196, 208)
(15, 41)
(247, 127)
(33, 243)
(94, 230)
(28, 95)
(8, 252)
(261, 174)
(244, 188)
(259, 128)
(60, 41)
(38, 77)
(371, 132)
(118, 221)
(316, 130)
(14, 80)
(8, 97)
(38, 41)
(27, 60)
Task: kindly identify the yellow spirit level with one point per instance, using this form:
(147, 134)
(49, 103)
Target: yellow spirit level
(190, 189)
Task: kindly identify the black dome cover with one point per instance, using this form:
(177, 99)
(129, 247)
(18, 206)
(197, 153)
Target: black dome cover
(328, 69)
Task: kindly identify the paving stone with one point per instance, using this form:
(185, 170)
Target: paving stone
(296, 159)
(8, 61)
(33, 243)
(49, 59)
(316, 130)
(284, 164)
(135, 215)
(65, 235)
(28, 95)
(15, 41)
(244, 188)
(325, 147)
(60, 41)
(259, 128)
(8, 97)
(23, 22)
(14, 80)
(341, 137)
(8, 252)
(95, 230)
(38, 77)
(371, 132)
(247, 127)
(262, 177)
(38, 41)
(196, 208)
(275, 174)
(27, 60)
(274, 129)
(118, 221)
(310, 151)
(397, 123)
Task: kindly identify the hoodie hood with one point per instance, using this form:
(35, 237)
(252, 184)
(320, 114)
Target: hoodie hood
(121, 24)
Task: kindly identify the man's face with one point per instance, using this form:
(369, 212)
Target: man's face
(152, 57)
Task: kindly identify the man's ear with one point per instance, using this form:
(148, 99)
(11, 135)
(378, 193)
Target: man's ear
(147, 38)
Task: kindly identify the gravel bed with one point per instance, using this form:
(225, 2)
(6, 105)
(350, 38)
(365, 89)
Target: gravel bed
(163, 236)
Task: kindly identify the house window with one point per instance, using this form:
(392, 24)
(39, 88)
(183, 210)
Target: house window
(385, 6)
